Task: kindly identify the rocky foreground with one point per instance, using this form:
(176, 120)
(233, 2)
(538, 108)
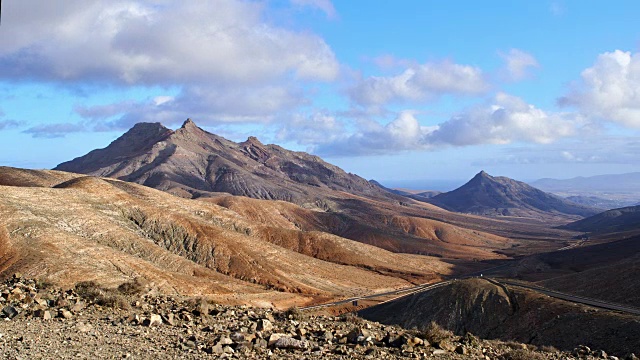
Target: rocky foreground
(131, 322)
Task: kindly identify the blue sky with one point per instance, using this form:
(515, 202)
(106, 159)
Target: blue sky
(399, 91)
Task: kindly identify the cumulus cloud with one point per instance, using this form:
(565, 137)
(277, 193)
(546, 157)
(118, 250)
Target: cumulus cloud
(311, 129)
(155, 42)
(403, 133)
(610, 89)
(222, 53)
(324, 5)
(418, 83)
(507, 119)
(518, 64)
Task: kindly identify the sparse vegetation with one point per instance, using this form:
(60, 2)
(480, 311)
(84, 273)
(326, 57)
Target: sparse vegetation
(44, 284)
(521, 354)
(91, 291)
(293, 313)
(351, 317)
(133, 287)
(436, 333)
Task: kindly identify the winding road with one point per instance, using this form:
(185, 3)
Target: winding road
(427, 287)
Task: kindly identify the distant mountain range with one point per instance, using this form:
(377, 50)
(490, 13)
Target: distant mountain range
(192, 163)
(616, 220)
(616, 183)
(501, 196)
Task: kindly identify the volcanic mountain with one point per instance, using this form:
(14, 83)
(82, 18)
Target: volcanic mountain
(501, 196)
(65, 228)
(611, 221)
(192, 163)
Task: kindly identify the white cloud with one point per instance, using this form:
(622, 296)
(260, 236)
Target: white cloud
(506, 120)
(518, 64)
(312, 129)
(324, 5)
(418, 83)
(219, 52)
(401, 134)
(610, 89)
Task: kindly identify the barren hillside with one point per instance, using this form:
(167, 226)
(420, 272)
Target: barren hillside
(68, 228)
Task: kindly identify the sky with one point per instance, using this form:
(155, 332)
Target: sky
(411, 93)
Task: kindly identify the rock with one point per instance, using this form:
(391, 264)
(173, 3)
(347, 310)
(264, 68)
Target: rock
(78, 306)
(274, 337)
(470, 340)
(153, 320)
(264, 325)
(216, 349)
(169, 319)
(228, 350)
(415, 341)
(286, 342)
(10, 312)
(237, 337)
(225, 340)
(600, 354)
(357, 335)
(439, 352)
(446, 345)
(260, 343)
(82, 327)
(461, 349)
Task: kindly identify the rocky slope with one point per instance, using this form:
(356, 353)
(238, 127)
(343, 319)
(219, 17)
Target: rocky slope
(131, 322)
(68, 227)
(616, 220)
(493, 311)
(501, 196)
(191, 162)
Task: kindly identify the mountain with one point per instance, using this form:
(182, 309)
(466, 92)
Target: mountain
(492, 310)
(501, 196)
(65, 228)
(616, 220)
(419, 195)
(600, 202)
(191, 162)
(613, 183)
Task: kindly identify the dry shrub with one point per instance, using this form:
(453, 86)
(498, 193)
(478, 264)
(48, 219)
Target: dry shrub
(133, 287)
(293, 313)
(351, 318)
(521, 354)
(91, 291)
(549, 349)
(44, 284)
(435, 333)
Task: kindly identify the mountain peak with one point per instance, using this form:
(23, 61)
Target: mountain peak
(252, 140)
(189, 124)
(488, 195)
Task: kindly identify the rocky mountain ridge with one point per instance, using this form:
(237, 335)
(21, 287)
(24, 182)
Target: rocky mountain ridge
(501, 196)
(191, 162)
